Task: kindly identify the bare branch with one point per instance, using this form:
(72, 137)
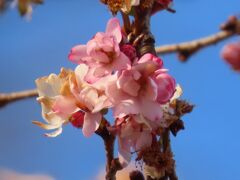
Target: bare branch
(6, 98)
(186, 49)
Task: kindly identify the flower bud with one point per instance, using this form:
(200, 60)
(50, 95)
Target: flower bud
(166, 87)
(129, 51)
(231, 54)
(77, 119)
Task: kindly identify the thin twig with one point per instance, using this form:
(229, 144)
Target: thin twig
(112, 165)
(186, 49)
(6, 98)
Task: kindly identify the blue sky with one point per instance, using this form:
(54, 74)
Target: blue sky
(208, 148)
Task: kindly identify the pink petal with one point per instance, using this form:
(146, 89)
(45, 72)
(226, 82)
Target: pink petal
(121, 62)
(77, 53)
(166, 87)
(90, 77)
(114, 29)
(95, 52)
(151, 90)
(64, 106)
(91, 123)
(151, 58)
(124, 104)
(115, 94)
(151, 110)
(128, 84)
(125, 108)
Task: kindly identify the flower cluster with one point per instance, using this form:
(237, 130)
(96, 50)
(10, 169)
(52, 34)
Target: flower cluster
(109, 75)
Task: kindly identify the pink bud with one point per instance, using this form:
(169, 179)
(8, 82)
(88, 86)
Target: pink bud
(77, 119)
(151, 58)
(166, 87)
(231, 54)
(129, 51)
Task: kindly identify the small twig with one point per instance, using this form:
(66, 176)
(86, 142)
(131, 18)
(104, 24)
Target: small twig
(167, 147)
(112, 165)
(186, 49)
(6, 98)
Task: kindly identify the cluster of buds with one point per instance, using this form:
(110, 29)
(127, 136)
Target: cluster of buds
(127, 6)
(110, 75)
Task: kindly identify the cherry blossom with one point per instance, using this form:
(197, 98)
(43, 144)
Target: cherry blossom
(134, 134)
(138, 90)
(56, 100)
(102, 53)
(110, 75)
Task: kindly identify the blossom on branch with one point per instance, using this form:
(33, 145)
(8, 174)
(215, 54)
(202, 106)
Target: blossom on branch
(102, 53)
(110, 75)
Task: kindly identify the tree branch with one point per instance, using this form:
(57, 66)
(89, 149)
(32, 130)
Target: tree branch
(112, 164)
(186, 49)
(6, 98)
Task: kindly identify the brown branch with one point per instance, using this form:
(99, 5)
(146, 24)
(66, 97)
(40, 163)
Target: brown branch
(112, 164)
(186, 49)
(6, 98)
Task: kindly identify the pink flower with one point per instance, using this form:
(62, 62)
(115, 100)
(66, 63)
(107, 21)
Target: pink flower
(135, 92)
(231, 54)
(133, 135)
(102, 54)
(165, 83)
(141, 89)
(91, 97)
(64, 96)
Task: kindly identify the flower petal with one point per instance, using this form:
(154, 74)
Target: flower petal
(46, 126)
(114, 29)
(91, 123)
(151, 110)
(77, 53)
(54, 134)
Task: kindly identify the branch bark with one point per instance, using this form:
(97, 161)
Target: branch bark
(6, 98)
(112, 164)
(186, 49)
